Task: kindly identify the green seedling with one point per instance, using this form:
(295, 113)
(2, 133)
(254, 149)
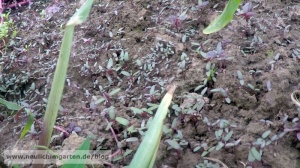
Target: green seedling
(223, 135)
(211, 71)
(106, 98)
(6, 27)
(223, 92)
(10, 105)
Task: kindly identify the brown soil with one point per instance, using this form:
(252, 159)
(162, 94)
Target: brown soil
(140, 28)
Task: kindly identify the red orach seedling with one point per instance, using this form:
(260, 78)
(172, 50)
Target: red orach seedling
(246, 11)
(176, 20)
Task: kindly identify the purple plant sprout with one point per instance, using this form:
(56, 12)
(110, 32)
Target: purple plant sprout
(246, 11)
(202, 6)
(72, 127)
(176, 21)
(219, 54)
(294, 128)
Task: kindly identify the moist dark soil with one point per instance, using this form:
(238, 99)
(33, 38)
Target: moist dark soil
(265, 51)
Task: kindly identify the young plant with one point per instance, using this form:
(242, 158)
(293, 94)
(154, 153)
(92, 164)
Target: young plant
(246, 11)
(218, 54)
(211, 71)
(256, 148)
(193, 102)
(176, 20)
(274, 61)
(152, 94)
(7, 30)
(223, 135)
(106, 98)
(293, 127)
(176, 143)
(223, 92)
(200, 8)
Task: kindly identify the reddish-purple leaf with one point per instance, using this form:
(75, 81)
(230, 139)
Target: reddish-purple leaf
(298, 136)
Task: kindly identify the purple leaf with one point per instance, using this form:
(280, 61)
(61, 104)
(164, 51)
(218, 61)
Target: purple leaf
(77, 129)
(202, 5)
(172, 18)
(71, 127)
(52, 9)
(247, 7)
(211, 54)
(298, 136)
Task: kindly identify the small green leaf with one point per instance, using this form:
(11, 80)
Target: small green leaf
(251, 158)
(266, 134)
(108, 126)
(228, 136)
(125, 73)
(218, 134)
(110, 63)
(174, 144)
(222, 20)
(126, 57)
(207, 66)
(227, 99)
(117, 158)
(174, 123)
(136, 110)
(256, 154)
(183, 39)
(216, 90)
(220, 145)
(127, 152)
(28, 124)
(240, 75)
(212, 149)
(198, 87)
(204, 91)
(10, 105)
(250, 86)
(122, 121)
(100, 100)
(274, 138)
(114, 92)
(152, 90)
(111, 112)
(197, 148)
(204, 153)
(132, 139)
